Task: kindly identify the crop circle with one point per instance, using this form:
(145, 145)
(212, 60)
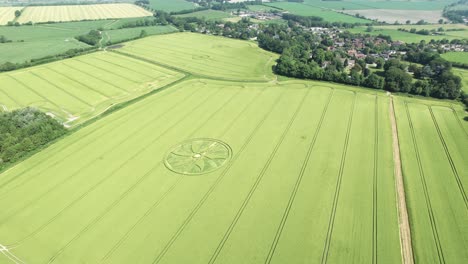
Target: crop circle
(198, 156)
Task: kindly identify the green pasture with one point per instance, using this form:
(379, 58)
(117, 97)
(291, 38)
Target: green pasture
(77, 89)
(208, 14)
(460, 57)
(37, 41)
(463, 73)
(434, 149)
(171, 5)
(301, 182)
(205, 55)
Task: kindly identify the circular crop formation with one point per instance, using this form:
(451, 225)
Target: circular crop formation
(198, 156)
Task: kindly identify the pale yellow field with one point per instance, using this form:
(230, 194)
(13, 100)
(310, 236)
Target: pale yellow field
(7, 14)
(81, 12)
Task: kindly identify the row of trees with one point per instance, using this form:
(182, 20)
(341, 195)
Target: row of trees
(23, 131)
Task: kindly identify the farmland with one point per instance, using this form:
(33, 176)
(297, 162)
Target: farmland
(460, 57)
(434, 143)
(7, 14)
(407, 37)
(171, 5)
(292, 123)
(208, 14)
(76, 89)
(37, 41)
(207, 55)
(308, 10)
(401, 16)
(37, 14)
(227, 163)
(464, 75)
(380, 4)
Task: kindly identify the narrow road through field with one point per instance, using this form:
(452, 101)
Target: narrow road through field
(403, 218)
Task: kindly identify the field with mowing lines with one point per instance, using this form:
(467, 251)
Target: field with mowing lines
(205, 55)
(303, 184)
(7, 14)
(79, 88)
(80, 12)
(434, 148)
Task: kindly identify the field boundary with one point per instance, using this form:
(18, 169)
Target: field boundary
(292, 197)
(403, 217)
(422, 176)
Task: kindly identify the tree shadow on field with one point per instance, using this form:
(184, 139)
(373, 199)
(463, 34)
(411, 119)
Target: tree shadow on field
(465, 118)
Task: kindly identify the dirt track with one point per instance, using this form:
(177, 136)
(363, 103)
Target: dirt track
(403, 218)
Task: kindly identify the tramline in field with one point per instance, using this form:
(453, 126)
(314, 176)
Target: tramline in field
(230, 165)
(79, 88)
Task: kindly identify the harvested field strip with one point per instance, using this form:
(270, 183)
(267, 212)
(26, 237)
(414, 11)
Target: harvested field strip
(81, 12)
(7, 14)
